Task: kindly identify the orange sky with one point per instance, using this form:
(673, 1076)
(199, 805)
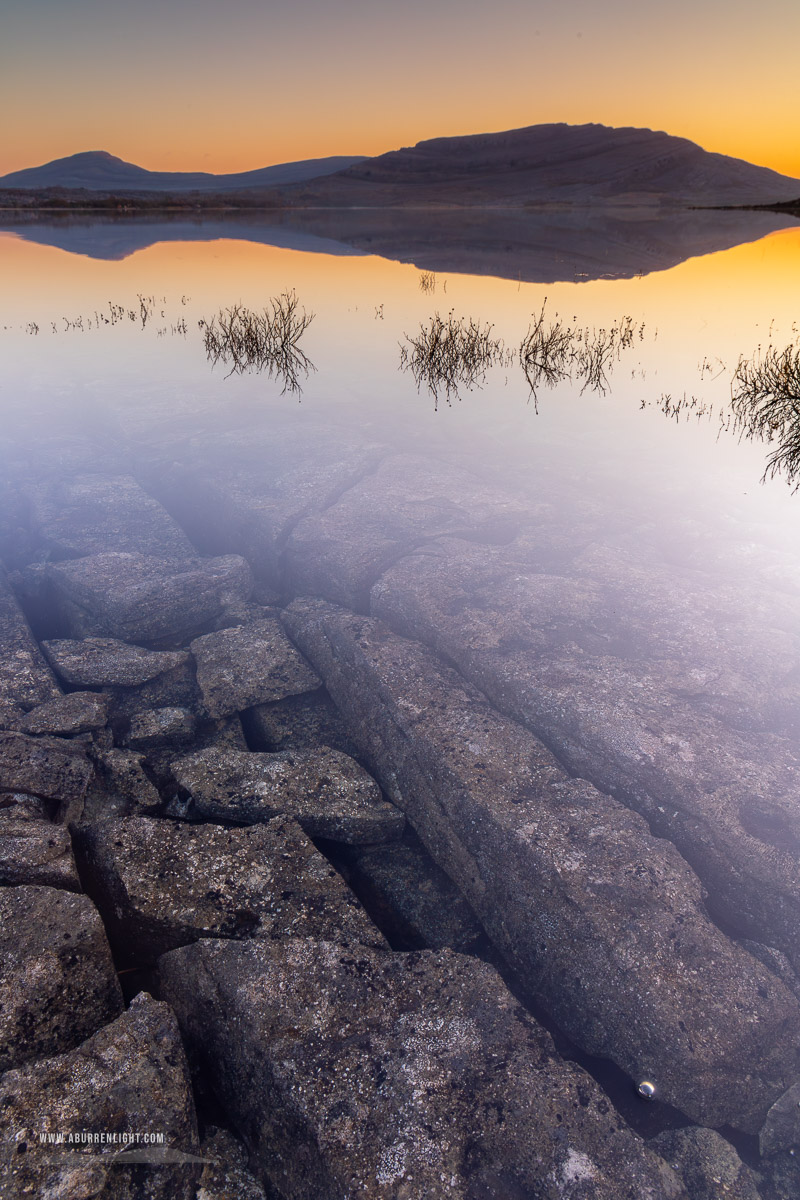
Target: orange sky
(196, 85)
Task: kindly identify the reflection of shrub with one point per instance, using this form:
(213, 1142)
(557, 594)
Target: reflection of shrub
(765, 398)
(457, 352)
(546, 352)
(451, 353)
(261, 341)
(550, 353)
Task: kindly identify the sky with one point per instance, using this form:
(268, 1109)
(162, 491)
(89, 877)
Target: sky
(208, 85)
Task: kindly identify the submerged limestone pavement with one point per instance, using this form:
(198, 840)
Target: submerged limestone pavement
(356, 809)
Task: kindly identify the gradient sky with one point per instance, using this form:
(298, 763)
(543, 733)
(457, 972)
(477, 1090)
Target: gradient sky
(231, 85)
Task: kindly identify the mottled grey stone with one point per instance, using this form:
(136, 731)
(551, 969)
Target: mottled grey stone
(360, 1072)
(299, 723)
(58, 982)
(161, 884)
(90, 514)
(148, 600)
(781, 1130)
(175, 688)
(249, 664)
(158, 727)
(242, 491)
(776, 962)
(226, 1174)
(412, 899)
(226, 734)
(736, 646)
(79, 712)
(25, 678)
(326, 792)
(10, 714)
(120, 788)
(640, 728)
(780, 1176)
(129, 1078)
(53, 768)
(708, 1165)
(409, 500)
(33, 850)
(108, 662)
(604, 922)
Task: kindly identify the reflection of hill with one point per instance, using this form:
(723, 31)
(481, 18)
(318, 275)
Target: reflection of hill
(112, 237)
(537, 247)
(543, 246)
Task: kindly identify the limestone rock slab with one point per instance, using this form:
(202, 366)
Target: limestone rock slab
(249, 664)
(161, 884)
(130, 1077)
(159, 727)
(360, 1072)
(408, 500)
(33, 850)
(108, 662)
(412, 899)
(243, 491)
(781, 1130)
(327, 793)
(226, 1173)
(643, 727)
(136, 598)
(707, 1163)
(299, 723)
(52, 768)
(120, 787)
(90, 514)
(25, 677)
(604, 922)
(58, 982)
(79, 712)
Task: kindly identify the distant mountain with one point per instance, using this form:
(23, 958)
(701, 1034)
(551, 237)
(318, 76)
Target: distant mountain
(552, 164)
(102, 172)
(540, 165)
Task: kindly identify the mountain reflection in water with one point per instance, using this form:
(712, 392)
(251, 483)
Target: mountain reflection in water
(539, 246)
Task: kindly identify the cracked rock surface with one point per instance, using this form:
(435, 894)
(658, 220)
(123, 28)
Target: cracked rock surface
(355, 1071)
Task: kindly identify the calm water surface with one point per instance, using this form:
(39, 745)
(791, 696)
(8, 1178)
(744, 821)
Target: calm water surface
(645, 481)
(68, 365)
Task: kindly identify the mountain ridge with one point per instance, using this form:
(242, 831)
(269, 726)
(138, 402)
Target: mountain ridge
(97, 170)
(533, 165)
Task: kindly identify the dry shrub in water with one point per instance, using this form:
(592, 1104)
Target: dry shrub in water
(555, 351)
(765, 398)
(450, 353)
(261, 341)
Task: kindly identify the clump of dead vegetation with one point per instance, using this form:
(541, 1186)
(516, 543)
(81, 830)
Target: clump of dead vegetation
(554, 351)
(765, 399)
(451, 353)
(245, 340)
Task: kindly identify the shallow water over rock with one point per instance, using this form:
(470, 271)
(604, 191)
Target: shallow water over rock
(536, 658)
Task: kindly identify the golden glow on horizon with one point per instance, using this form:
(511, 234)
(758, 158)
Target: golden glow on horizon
(190, 86)
(23, 147)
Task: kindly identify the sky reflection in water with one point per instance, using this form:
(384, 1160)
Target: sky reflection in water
(660, 436)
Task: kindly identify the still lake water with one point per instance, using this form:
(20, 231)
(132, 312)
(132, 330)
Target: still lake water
(644, 494)
(687, 479)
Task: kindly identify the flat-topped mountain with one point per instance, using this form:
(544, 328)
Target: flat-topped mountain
(573, 164)
(98, 171)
